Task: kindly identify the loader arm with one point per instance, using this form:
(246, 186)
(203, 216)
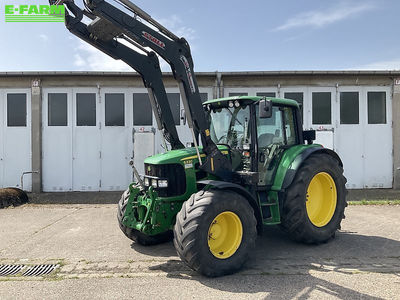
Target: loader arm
(147, 65)
(176, 52)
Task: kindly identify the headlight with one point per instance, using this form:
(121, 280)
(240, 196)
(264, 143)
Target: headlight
(154, 183)
(163, 183)
(231, 104)
(237, 103)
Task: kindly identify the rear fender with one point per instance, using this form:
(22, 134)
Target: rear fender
(300, 158)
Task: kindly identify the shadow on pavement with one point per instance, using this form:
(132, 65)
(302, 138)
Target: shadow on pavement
(161, 250)
(281, 287)
(276, 255)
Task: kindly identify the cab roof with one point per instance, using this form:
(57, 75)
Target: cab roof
(279, 101)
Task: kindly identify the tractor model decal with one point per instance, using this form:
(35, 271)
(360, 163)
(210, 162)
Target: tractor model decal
(153, 39)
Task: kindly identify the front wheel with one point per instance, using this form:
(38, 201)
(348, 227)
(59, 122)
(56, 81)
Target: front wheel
(314, 203)
(215, 231)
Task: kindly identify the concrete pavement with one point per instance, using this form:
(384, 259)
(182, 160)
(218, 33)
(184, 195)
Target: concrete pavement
(97, 260)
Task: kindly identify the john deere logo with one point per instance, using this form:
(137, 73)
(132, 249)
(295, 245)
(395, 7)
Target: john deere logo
(34, 13)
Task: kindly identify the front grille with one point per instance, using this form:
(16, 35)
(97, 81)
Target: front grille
(175, 174)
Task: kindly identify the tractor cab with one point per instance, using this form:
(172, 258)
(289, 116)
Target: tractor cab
(257, 131)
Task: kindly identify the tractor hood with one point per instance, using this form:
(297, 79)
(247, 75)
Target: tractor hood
(178, 156)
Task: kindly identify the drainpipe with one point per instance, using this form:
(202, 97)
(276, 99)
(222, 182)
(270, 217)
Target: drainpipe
(396, 132)
(36, 134)
(220, 85)
(216, 86)
(99, 91)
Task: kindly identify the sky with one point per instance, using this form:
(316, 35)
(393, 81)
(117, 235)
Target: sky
(235, 35)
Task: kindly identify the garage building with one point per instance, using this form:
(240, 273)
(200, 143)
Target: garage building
(77, 131)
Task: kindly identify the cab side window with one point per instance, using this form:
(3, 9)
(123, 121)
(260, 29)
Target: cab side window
(290, 126)
(269, 130)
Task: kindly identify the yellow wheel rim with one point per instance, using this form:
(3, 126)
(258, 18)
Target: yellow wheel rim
(225, 235)
(321, 199)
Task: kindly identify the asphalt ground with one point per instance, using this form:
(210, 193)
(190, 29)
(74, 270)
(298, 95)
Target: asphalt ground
(96, 261)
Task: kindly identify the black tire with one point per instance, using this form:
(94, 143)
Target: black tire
(135, 235)
(192, 228)
(295, 219)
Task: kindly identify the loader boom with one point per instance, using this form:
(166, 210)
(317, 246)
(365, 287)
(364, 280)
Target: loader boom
(110, 23)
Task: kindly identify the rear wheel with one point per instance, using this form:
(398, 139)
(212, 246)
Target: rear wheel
(135, 235)
(215, 231)
(314, 204)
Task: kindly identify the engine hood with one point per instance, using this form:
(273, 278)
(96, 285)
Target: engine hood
(179, 156)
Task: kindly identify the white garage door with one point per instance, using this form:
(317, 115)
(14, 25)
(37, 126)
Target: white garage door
(143, 148)
(57, 140)
(319, 114)
(116, 142)
(364, 136)
(86, 140)
(15, 137)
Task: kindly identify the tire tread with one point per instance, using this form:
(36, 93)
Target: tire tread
(294, 215)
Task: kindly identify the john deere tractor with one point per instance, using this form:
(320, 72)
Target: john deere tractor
(253, 164)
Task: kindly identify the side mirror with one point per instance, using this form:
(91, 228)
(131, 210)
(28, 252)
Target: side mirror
(265, 109)
(309, 136)
(183, 116)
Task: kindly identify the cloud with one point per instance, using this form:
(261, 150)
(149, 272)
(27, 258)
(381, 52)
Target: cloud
(393, 64)
(88, 58)
(79, 61)
(324, 17)
(174, 24)
(43, 37)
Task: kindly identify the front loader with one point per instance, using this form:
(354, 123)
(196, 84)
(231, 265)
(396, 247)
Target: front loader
(252, 166)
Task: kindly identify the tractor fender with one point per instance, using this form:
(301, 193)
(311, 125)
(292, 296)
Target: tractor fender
(223, 185)
(298, 161)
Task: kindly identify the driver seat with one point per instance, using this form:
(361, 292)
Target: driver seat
(265, 140)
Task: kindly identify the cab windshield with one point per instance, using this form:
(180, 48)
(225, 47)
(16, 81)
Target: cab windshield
(230, 126)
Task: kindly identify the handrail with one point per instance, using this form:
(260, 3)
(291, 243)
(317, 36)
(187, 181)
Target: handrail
(25, 173)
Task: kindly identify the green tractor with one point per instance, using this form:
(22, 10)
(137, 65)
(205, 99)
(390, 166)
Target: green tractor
(255, 166)
(278, 180)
